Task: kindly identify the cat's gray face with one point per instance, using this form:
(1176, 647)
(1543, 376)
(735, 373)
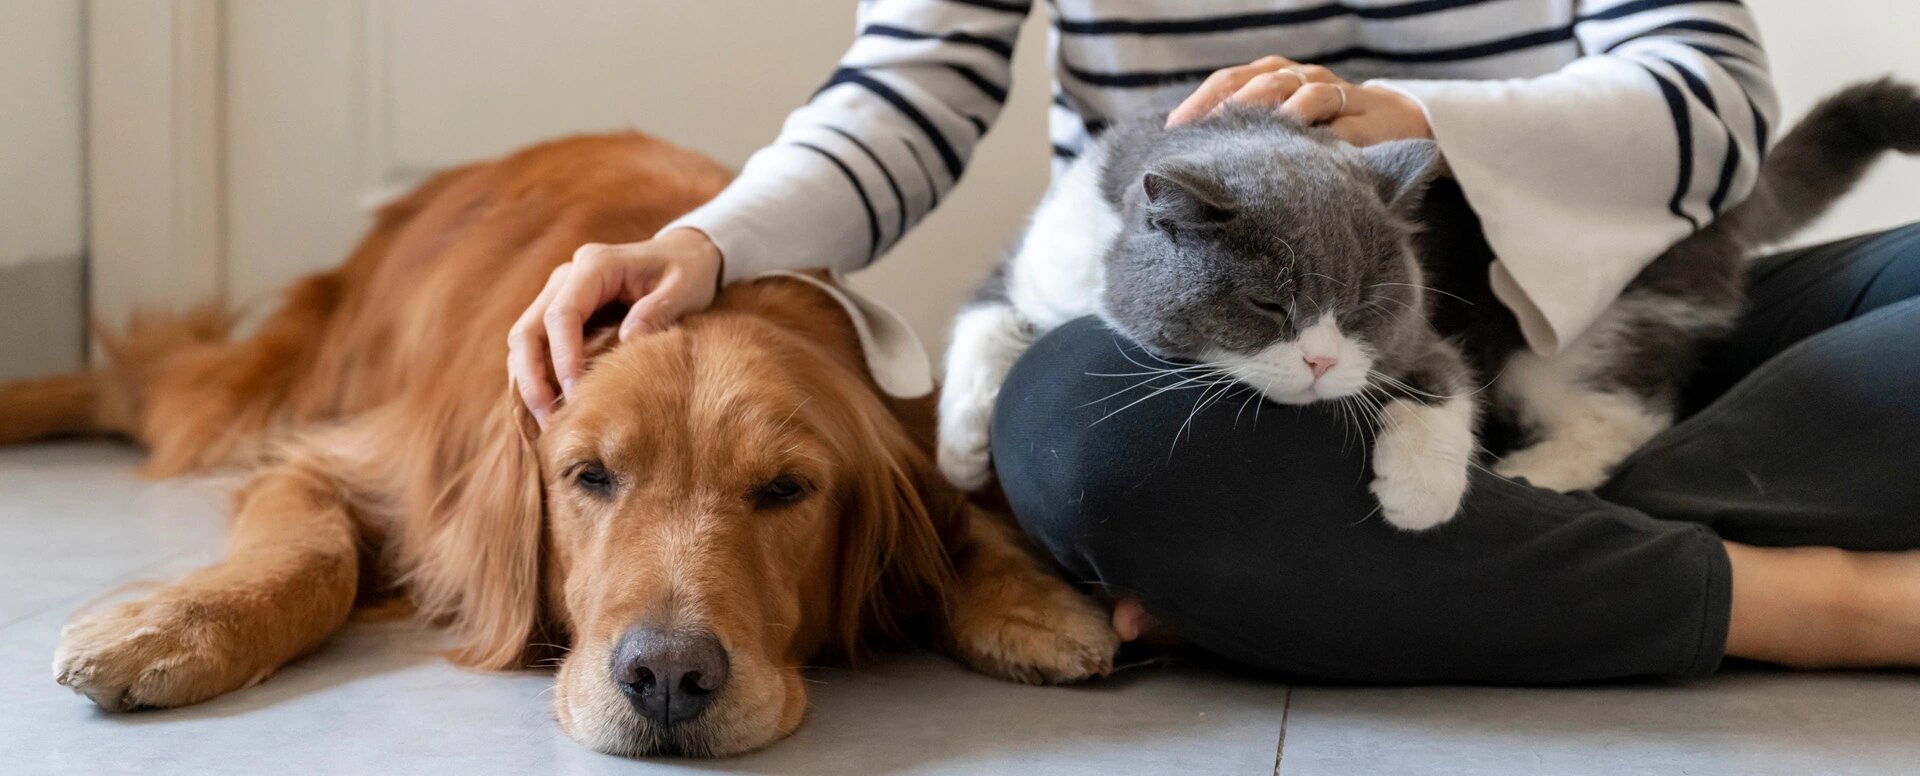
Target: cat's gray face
(1281, 260)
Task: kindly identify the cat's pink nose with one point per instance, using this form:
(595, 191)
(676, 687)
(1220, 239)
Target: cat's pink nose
(1320, 364)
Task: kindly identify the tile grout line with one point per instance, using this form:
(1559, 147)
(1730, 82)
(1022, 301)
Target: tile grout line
(1280, 749)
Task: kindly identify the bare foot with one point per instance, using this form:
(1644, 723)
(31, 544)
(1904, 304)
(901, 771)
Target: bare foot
(1130, 619)
(1818, 607)
(1890, 586)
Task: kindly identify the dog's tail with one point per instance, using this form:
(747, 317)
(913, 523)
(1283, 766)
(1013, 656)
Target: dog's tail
(1821, 159)
(109, 400)
(49, 407)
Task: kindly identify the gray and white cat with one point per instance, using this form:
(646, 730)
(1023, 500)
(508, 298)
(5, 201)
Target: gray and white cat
(1269, 252)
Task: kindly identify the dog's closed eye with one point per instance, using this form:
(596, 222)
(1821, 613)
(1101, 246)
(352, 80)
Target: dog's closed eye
(592, 477)
(781, 491)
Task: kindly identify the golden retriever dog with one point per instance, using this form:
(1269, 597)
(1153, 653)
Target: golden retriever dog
(719, 504)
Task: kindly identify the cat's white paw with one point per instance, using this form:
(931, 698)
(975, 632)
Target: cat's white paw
(965, 452)
(1416, 495)
(987, 339)
(1561, 465)
(1420, 462)
(965, 462)
(1583, 433)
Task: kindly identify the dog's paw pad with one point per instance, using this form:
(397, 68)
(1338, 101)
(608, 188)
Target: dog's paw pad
(141, 655)
(1067, 638)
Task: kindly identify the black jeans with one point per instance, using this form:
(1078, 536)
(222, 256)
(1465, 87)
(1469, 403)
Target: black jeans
(1249, 529)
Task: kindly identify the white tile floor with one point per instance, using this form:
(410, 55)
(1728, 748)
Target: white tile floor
(76, 525)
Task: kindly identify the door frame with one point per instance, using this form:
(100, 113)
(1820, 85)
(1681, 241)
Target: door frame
(155, 200)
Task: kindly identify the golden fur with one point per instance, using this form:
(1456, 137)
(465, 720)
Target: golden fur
(387, 456)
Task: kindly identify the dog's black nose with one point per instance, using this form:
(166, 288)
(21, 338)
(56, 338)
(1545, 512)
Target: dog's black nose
(669, 676)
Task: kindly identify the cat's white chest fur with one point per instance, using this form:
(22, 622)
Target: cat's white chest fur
(1056, 275)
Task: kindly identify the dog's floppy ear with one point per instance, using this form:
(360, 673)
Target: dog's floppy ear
(897, 531)
(899, 517)
(480, 565)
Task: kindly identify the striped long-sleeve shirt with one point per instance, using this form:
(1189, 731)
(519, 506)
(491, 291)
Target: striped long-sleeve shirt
(1587, 134)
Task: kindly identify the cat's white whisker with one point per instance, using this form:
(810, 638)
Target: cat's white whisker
(1155, 372)
(1375, 302)
(1147, 382)
(1252, 396)
(1184, 384)
(1144, 352)
(1396, 383)
(1427, 288)
(1349, 421)
(1365, 517)
(1200, 405)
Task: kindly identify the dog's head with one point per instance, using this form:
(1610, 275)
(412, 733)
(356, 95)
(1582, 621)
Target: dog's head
(717, 505)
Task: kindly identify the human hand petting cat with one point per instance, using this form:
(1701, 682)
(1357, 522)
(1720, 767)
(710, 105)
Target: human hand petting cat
(1361, 114)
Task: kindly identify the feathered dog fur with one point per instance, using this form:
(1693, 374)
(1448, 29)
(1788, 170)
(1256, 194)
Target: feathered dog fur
(387, 456)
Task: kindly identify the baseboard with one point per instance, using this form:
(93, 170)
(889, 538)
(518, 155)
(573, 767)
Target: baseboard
(43, 320)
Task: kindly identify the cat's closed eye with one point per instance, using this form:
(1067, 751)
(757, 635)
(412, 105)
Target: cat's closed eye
(1268, 306)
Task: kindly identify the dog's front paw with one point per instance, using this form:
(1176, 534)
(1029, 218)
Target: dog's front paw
(156, 653)
(1046, 636)
(1420, 464)
(1556, 465)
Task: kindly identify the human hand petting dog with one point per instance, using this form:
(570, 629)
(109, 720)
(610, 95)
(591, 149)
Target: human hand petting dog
(1361, 114)
(664, 278)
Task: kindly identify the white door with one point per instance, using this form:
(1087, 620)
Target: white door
(329, 107)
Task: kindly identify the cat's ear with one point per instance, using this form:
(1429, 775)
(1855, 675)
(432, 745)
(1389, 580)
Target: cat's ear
(1402, 169)
(1179, 196)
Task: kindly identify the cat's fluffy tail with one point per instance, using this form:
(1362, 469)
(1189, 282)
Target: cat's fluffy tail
(1822, 158)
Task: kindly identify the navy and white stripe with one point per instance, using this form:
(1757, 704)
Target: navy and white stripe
(890, 132)
(1705, 58)
(911, 99)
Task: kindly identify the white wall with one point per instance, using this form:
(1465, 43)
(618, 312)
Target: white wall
(40, 162)
(42, 232)
(1815, 47)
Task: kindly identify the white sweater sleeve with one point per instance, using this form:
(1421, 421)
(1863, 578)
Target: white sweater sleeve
(1582, 176)
(875, 148)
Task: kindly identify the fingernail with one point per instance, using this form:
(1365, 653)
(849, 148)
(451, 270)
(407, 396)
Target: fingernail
(566, 387)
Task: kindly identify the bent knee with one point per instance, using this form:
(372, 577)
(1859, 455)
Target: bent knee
(1056, 458)
(1894, 264)
(1108, 454)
